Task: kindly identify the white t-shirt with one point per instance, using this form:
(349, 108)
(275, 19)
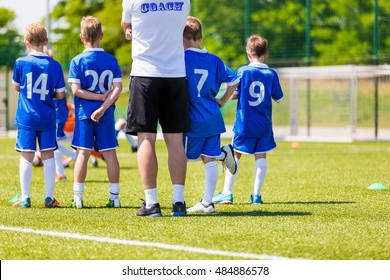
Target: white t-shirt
(157, 36)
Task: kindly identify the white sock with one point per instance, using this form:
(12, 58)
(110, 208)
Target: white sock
(178, 193)
(66, 151)
(78, 190)
(25, 175)
(230, 179)
(150, 197)
(210, 182)
(58, 161)
(114, 191)
(131, 140)
(260, 171)
(49, 173)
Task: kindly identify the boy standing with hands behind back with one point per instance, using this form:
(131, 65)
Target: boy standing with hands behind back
(38, 78)
(96, 82)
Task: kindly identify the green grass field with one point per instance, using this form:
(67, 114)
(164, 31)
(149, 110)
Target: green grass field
(317, 206)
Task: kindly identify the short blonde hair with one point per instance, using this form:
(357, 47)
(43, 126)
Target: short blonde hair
(91, 29)
(257, 45)
(36, 34)
(193, 29)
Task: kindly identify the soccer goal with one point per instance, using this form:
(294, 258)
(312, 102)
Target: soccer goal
(334, 103)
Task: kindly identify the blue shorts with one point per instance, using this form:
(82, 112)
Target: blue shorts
(251, 146)
(100, 136)
(202, 146)
(26, 140)
(60, 131)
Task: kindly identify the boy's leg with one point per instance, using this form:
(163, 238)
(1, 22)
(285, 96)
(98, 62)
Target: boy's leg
(226, 196)
(69, 152)
(259, 176)
(230, 179)
(60, 172)
(211, 179)
(49, 171)
(25, 173)
(113, 172)
(80, 173)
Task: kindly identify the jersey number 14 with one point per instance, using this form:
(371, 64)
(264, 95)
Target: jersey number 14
(39, 87)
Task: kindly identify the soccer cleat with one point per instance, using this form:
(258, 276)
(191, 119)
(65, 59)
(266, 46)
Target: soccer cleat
(229, 162)
(202, 208)
(60, 178)
(134, 149)
(154, 211)
(22, 203)
(76, 203)
(223, 199)
(113, 203)
(256, 199)
(179, 209)
(51, 203)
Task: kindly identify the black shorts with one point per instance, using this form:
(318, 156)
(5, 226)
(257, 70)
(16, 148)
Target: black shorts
(158, 100)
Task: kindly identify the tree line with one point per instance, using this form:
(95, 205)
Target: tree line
(300, 32)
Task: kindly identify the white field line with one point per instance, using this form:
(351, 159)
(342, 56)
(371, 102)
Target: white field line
(142, 244)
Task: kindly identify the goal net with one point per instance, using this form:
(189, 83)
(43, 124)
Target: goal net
(333, 103)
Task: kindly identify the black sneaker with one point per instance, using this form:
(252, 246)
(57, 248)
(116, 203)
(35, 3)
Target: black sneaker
(154, 211)
(179, 209)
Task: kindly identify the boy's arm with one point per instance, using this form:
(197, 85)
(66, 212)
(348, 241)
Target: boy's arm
(227, 95)
(17, 88)
(234, 97)
(85, 94)
(60, 94)
(111, 99)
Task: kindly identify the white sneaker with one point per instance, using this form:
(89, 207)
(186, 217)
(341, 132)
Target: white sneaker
(76, 203)
(229, 162)
(201, 208)
(113, 203)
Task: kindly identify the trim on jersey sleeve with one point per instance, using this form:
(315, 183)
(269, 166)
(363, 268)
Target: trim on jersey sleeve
(74, 81)
(63, 89)
(232, 83)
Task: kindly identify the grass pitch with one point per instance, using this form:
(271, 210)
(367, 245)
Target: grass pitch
(317, 206)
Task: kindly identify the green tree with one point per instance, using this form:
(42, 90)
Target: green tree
(11, 45)
(341, 30)
(66, 17)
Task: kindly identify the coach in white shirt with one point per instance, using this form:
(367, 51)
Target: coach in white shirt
(158, 93)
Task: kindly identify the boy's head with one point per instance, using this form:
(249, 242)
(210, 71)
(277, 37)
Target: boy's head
(91, 30)
(35, 36)
(192, 30)
(256, 46)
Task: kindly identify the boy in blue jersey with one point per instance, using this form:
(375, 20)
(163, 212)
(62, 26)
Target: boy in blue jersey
(96, 82)
(253, 134)
(39, 79)
(205, 74)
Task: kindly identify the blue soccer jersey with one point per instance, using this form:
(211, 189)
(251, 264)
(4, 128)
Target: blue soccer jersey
(258, 86)
(38, 77)
(95, 70)
(205, 74)
(61, 110)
